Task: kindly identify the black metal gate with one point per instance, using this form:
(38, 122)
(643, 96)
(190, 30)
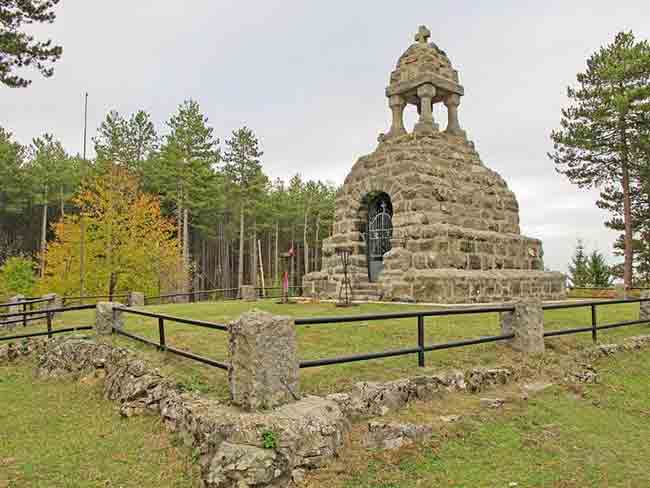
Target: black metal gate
(379, 234)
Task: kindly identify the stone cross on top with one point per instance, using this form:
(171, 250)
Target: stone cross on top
(423, 34)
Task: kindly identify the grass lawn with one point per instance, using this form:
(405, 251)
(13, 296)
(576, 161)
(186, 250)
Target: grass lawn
(586, 436)
(56, 434)
(321, 341)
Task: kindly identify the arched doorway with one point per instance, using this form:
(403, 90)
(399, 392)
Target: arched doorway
(379, 232)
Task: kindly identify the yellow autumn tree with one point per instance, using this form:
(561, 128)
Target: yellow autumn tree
(119, 242)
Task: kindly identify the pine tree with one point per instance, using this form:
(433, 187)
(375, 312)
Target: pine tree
(20, 50)
(603, 131)
(184, 172)
(598, 272)
(127, 143)
(245, 181)
(578, 274)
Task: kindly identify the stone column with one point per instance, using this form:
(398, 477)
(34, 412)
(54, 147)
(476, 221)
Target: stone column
(426, 124)
(453, 127)
(527, 324)
(107, 316)
(263, 370)
(248, 293)
(136, 299)
(397, 104)
(644, 307)
(53, 301)
(16, 308)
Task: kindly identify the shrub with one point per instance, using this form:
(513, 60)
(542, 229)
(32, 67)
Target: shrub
(17, 276)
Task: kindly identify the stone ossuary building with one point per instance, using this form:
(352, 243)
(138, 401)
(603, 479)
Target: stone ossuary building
(423, 218)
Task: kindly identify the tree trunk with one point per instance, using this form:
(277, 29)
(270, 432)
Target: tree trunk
(186, 247)
(277, 253)
(240, 270)
(627, 212)
(82, 256)
(304, 239)
(253, 260)
(317, 245)
(43, 239)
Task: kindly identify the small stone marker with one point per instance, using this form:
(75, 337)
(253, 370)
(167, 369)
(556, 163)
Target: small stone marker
(263, 369)
(644, 307)
(136, 299)
(527, 324)
(108, 316)
(248, 293)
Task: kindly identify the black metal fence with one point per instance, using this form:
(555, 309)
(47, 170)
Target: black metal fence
(162, 342)
(418, 349)
(46, 315)
(421, 347)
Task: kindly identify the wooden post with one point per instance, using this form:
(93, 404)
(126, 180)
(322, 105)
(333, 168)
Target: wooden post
(259, 248)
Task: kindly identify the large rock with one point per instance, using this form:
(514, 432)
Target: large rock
(394, 435)
(107, 316)
(527, 325)
(644, 307)
(264, 364)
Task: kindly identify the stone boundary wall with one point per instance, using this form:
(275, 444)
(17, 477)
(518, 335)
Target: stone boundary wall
(230, 442)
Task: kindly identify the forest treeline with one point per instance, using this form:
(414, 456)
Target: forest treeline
(231, 222)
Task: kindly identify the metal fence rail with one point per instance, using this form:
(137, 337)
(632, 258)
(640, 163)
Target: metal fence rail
(48, 315)
(161, 345)
(421, 347)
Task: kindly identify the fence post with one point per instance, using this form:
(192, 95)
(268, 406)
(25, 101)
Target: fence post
(248, 293)
(136, 299)
(594, 324)
(161, 333)
(53, 301)
(263, 371)
(108, 316)
(527, 325)
(16, 309)
(421, 341)
(644, 307)
(49, 324)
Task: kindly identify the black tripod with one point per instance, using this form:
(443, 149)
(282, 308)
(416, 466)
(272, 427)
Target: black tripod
(345, 292)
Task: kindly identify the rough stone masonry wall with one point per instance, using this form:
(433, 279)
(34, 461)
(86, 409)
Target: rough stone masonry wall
(230, 442)
(456, 236)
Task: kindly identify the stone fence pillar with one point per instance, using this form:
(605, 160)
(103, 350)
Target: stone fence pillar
(53, 301)
(107, 316)
(527, 324)
(136, 299)
(263, 370)
(644, 307)
(16, 308)
(248, 293)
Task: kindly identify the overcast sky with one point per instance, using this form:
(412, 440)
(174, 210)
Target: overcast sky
(309, 78)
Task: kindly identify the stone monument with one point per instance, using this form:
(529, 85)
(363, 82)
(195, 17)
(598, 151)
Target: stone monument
(425, 218)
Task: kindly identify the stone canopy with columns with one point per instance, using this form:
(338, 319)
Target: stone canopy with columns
(423, 77)
(425, 219)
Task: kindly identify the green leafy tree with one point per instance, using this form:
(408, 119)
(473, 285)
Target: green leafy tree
(598, 271)
(578, 274)
(604, 130)
(20, 50)
(184, 173)
(49, 170)
(17, 276)
(245, 181)
(125, 142)
(14, 191)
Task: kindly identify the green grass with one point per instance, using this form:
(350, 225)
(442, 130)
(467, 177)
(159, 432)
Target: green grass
(56, 434)
(321, 341)
(592, 436)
